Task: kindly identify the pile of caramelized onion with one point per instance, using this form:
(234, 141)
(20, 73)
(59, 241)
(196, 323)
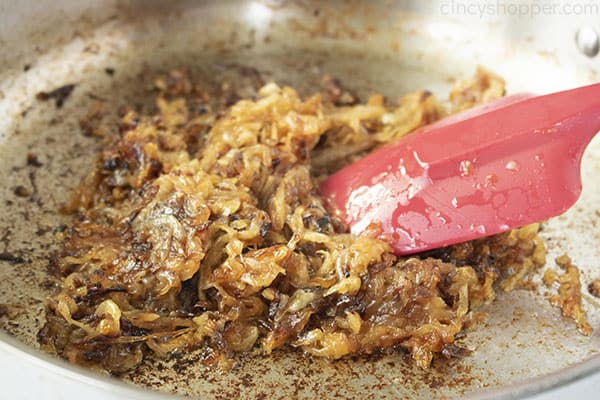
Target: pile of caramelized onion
(200, 229)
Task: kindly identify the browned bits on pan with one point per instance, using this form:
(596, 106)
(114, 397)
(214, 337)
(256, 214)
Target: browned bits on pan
(90, 124)
(10, 311)
(594, 287)
(175, 83)
(12, 258)
(59, 95)
(21, 191)
(336, 93)
(453, 351)
(33, 161)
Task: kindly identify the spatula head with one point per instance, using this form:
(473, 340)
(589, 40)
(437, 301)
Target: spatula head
(492, 168)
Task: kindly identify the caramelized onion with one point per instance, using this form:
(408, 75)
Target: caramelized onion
(202, 227)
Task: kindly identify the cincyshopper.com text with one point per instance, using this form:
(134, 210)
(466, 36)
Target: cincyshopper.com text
(530, 9)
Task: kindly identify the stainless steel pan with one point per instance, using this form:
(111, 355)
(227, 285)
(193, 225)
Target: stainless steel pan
(382, 46)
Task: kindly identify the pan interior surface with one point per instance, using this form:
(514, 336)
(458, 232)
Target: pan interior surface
(111, 54)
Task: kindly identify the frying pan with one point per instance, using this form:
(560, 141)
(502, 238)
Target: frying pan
(110, 50)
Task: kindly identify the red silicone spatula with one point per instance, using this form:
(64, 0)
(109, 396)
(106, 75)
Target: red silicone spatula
(495, 167)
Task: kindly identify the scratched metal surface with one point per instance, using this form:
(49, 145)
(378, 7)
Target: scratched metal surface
(388, 47)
